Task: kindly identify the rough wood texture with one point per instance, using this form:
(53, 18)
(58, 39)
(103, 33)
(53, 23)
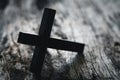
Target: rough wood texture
(93, 22)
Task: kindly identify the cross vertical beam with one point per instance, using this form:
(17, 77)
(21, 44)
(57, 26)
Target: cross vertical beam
(44, 33)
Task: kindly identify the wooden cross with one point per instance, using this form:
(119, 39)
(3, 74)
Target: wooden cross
(43, 41)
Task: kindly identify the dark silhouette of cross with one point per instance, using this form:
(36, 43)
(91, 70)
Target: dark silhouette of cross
(43, 41)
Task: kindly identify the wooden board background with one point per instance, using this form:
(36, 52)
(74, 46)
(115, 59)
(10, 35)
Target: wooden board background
(93, 22)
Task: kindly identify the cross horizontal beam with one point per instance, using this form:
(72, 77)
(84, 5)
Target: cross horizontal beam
(37, 40)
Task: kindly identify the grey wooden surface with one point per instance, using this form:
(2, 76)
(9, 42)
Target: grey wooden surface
(93, 22)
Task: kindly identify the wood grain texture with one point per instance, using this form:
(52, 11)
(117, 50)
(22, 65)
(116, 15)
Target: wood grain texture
(93, 22)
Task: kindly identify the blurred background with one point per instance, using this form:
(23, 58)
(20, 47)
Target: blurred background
(96, 23)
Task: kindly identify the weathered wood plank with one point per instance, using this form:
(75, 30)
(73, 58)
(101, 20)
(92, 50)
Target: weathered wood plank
(93, 22)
